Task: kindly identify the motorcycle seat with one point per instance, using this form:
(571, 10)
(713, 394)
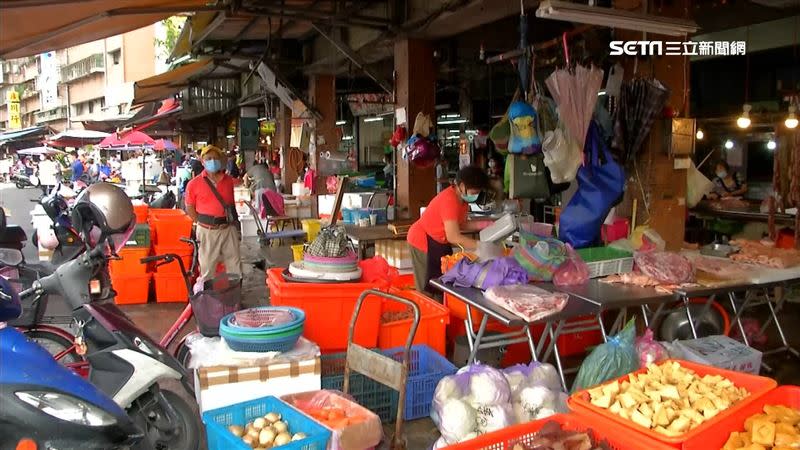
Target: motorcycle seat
(12, 234)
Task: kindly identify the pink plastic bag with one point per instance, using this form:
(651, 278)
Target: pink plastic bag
(649, 350)
(573, 271)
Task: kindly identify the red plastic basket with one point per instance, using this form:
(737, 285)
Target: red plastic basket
(756, 385)
(329, 309)
(131, 289)
(130, 262)
(170, 288)
(432, 328)
(716, 436)
(617, 437)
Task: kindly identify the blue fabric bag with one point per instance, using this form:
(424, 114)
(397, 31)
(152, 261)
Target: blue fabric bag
(601, 184)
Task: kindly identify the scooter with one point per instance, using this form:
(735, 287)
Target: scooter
(45, 405)
(23, 180)
(123, 361)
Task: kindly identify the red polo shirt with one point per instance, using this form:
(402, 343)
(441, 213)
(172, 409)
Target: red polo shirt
(199, 195)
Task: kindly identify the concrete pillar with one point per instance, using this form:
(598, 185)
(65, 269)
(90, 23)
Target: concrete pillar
(283, 136)
(322, 94)
(416, 92)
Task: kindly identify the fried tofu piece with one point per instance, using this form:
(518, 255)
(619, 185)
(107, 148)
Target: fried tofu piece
(734, 442)
(763, 432)
(787, 439)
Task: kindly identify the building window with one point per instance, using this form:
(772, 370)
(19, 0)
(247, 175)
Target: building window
(91, 106)
(78, 109)
(115, 56)
(102, 103)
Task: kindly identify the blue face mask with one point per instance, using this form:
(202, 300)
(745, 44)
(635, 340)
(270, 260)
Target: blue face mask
(470, 198)
(212, 165)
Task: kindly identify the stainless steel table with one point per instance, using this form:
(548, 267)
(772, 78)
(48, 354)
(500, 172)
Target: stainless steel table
(555, 325)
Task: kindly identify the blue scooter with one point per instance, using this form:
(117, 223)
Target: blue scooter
(46, 405)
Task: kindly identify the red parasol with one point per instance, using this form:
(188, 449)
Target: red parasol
(575, 92)
(164, 144)
(127, 139)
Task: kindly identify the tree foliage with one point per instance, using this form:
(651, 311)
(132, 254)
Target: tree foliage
(172, 26)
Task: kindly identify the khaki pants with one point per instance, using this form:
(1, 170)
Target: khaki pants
(419, 260)
(220, 245)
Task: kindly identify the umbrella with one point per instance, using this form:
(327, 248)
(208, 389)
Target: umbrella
(576, 95)
(641, 101)
(127, 139)
(38, 151)
(77, 138)
(164, 144)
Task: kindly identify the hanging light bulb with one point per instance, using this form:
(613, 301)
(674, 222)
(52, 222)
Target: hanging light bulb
(744, 120)
(729, 144)
(771, 145)
(791, 120)
(700, 135)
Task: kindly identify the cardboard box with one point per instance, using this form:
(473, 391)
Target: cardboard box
(722, 352)
(219, 386)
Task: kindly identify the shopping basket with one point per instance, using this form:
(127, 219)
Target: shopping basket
(221, 296)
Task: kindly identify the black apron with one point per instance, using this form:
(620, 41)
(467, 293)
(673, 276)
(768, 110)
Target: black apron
(435, 253)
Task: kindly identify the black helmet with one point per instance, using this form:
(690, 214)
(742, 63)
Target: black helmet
(104, 212)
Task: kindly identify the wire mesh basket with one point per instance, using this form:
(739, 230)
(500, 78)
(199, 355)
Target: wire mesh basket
(221, 296)
(33, 307)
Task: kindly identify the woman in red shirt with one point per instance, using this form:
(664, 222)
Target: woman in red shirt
(439, 228)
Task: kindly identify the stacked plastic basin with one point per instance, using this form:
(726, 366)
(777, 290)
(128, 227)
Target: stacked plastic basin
(168, 226)
(248, 337)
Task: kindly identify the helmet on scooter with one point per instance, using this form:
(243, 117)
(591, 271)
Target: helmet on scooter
(104, 212)
(47, 238)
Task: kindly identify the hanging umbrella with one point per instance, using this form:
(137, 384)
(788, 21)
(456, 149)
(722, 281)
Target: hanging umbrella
(641, 101)
(127, 139)
(575, 94)
(38, 151)
(164, 144)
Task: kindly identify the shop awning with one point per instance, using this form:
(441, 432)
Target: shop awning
(24, 134)
(166, 84)
(29, 27)
(194, 27)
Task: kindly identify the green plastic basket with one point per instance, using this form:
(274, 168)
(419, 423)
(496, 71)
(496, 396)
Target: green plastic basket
(140, 238)
(603, 261)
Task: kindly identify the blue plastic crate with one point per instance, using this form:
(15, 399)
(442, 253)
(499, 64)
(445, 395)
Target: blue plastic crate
(218, 420)
(376, 397)
(426, 369)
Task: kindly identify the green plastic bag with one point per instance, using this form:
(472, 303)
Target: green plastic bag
(609, 361)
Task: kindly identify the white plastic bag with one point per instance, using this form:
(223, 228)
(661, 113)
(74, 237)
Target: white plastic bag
(697, 185)
(561, 155)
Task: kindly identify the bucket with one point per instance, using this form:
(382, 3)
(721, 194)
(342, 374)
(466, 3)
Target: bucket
(297, 252)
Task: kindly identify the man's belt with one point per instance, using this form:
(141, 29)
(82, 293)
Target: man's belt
(212, 221)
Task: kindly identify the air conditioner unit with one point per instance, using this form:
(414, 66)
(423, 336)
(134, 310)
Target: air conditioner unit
(614, 18)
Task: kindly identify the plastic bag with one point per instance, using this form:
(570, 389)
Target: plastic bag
(353, 426)
(697, 186)
(540, 256)
(377, 269)
(423, 124)
(535, 391)
(524, 135)
(561, 155)
(649, 350)
(573, 272)
(458, 398)
(609, 361)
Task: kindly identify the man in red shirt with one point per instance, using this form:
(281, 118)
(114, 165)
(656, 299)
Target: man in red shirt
(218, 238)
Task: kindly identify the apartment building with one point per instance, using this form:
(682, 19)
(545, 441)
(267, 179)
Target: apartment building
(92, 81)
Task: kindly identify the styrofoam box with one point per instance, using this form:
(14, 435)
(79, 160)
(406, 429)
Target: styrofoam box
(249, 227)
(722, 352)
(221, 386)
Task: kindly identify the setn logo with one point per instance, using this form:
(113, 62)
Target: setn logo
(636, 48)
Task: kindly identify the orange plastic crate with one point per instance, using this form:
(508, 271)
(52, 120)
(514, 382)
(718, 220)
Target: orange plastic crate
(130, 264)
(131, 289)
(183, 250)
(170, 288)
(617, 437)
(170, 228)
(718, 434)
(432, 328)
(329, 308)
(141, 212)
(756, 385)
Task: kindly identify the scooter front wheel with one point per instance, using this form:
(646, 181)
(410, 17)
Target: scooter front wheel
(55, 344)
(168, 421)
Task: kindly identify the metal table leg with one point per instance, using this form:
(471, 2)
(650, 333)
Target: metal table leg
(531, 342)
(738, 315)
(559, 367)
(686, 303)
(478, 338)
